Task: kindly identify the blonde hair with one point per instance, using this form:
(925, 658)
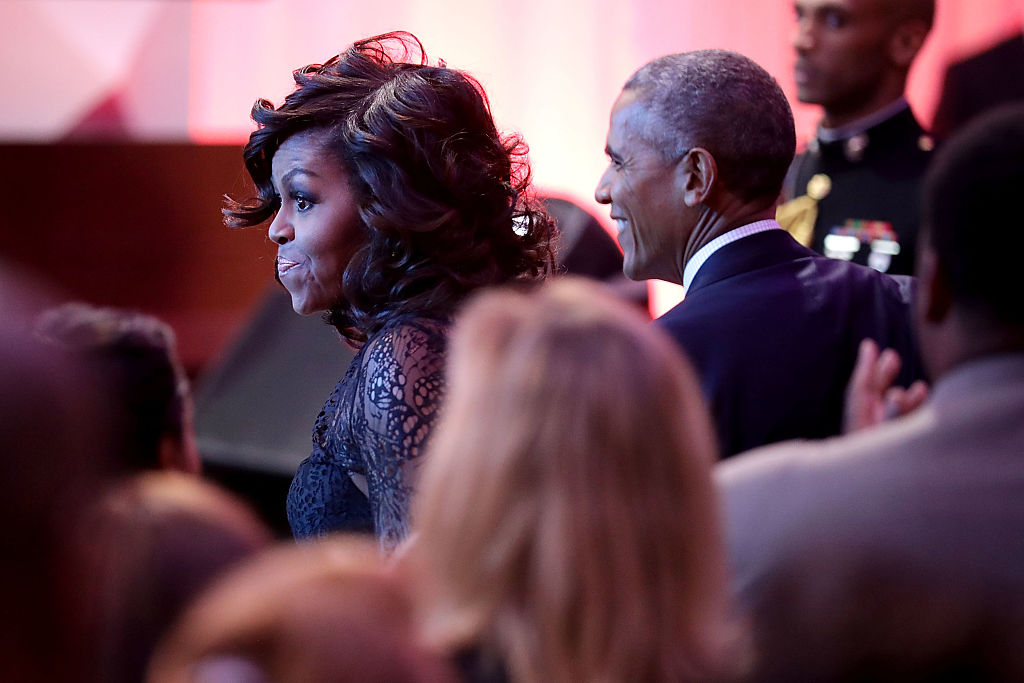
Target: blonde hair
(566, 516)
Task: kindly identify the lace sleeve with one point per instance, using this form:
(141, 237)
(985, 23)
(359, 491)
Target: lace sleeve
(403, 385)
(322, 498)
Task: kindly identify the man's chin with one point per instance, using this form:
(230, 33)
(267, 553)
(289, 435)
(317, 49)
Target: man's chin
(807, 95)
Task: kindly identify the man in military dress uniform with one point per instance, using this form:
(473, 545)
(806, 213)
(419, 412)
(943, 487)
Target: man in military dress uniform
(853, 194)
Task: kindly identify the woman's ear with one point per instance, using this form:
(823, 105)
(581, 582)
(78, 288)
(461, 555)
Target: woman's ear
(696, 175)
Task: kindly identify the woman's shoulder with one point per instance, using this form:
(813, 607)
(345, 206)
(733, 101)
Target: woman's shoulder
(408, 338)
(401, 379)
(408, 353)
(411, 324)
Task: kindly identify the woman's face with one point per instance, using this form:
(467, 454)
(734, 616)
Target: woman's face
(317, 228)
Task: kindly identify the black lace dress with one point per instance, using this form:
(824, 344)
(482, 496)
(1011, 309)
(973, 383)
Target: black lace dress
(374, 426)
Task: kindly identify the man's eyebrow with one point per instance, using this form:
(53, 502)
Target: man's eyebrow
(832, 7)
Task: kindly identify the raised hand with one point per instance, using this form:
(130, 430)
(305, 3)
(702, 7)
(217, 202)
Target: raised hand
(871, 397)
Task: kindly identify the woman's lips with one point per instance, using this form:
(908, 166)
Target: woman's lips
(284, 265)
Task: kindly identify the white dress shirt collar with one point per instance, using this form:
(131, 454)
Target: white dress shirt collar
(704, 253)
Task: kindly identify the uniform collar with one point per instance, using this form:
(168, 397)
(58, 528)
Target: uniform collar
(862, 124)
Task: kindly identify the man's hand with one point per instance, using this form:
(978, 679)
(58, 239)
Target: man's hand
(870, 396)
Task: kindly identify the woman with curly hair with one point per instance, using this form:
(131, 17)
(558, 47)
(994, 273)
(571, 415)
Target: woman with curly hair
(392, 196)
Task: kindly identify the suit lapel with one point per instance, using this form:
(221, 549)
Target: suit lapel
(754, 252)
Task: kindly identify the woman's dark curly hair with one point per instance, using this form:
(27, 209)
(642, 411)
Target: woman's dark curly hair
(441, 194)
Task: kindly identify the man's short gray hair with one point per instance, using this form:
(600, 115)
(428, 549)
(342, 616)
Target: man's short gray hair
(725, 103)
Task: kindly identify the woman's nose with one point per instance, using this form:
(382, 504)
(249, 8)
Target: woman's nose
(280, 231)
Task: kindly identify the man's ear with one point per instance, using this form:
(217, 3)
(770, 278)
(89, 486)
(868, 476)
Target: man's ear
(905, 42)
(696, 175)
(933, 287)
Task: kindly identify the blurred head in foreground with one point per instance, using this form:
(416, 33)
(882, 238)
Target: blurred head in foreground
(53, 442)
(969, 304)
(566, 521)
(315, 613)
(151, 545)
(136, 356)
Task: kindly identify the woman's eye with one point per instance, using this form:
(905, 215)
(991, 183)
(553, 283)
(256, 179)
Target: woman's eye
(303, 204)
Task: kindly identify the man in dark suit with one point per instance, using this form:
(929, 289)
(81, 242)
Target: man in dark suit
(854, 190)
(698, 147)
(933, 499)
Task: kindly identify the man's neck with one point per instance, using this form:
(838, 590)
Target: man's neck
(967, 337)
(712, 224)
(892, 86)
(829, 132)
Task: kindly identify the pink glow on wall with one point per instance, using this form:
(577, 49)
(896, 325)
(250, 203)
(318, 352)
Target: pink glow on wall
(190, 70)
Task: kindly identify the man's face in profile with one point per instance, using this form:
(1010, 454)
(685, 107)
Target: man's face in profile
(841, 50)
(639, 186)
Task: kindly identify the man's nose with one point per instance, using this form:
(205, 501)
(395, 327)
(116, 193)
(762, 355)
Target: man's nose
(603, 194)
(803, 37)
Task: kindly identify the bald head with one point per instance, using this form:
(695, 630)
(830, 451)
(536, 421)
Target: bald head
(725, 103)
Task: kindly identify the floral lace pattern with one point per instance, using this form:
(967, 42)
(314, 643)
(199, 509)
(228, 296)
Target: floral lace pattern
(375, 425)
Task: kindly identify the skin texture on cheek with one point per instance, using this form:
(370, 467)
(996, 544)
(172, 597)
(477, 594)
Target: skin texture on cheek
(635, 259)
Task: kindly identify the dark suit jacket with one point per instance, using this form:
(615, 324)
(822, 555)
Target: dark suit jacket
(773, 329)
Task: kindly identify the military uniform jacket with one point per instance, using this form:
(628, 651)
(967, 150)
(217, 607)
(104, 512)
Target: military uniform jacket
(866, 188)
